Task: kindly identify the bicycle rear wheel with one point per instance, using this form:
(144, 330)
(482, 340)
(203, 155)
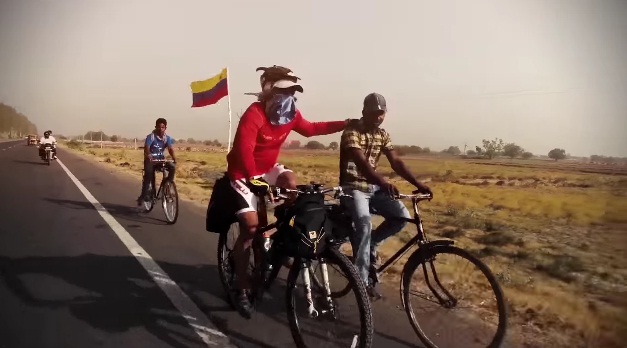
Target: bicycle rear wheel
(435, 291)
(170, 201)
(226, 266)
(226, 269)
(360, 336)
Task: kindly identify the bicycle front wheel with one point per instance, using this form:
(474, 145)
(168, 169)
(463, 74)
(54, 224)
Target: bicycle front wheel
(471, 304)
(170, 201)
(330, 328)
(150, 204)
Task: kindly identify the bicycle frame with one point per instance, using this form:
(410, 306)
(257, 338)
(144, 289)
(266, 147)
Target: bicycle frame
(419, 239)
(157, 195)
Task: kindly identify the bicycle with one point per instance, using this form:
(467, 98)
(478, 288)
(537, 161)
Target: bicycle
(426, 253)
(167, 193)
(270, 251)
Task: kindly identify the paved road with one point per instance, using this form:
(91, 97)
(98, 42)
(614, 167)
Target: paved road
(75, 276)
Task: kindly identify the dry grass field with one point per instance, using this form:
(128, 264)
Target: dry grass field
(554, 233)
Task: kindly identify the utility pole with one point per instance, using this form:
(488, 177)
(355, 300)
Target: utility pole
(465, 146)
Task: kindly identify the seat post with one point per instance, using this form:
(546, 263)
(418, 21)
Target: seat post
(262, 211)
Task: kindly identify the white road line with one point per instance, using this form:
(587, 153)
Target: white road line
(194, 316)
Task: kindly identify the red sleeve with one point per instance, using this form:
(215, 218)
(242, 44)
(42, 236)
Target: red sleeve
(245, 139)
(310, 129)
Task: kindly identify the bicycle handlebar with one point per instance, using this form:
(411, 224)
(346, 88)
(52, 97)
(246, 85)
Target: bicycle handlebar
(276, 191)
(417, 196)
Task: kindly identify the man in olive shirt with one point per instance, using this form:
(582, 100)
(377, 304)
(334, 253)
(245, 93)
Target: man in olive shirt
(361, 147)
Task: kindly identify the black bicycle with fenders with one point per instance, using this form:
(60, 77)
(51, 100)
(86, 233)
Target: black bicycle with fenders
(276, 241)
(433, 289)
(167, 192)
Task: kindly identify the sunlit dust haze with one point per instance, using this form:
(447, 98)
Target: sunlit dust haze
(540, 73)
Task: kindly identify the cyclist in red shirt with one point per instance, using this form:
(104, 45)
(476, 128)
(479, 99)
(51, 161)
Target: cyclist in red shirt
(262, 130)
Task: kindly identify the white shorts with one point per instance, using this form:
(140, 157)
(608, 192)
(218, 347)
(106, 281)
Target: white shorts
(244, 199)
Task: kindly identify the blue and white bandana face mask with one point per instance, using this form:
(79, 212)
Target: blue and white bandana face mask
(283, 109)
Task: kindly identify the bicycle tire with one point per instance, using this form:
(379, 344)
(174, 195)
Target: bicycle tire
(222, 259)
(170, 187)
(363, 301)
(149, 205)
(416, 259)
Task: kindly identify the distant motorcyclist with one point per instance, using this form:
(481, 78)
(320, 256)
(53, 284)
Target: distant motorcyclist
(47, 139)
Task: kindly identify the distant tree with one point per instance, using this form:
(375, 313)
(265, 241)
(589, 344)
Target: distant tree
(334, 145)
(181, 141)
(14, 123)
(527, 155)
(479, 150)
(557, 154)
(608, 160)
(426, 150)
(492, 148)
(471, 153)
(217, 143)
(314, 145)
(96, 136)
(453, 150)
(208, 142)
(294, 144)
(512, 150)
(191, 140)
(114, 138)
(61, 136)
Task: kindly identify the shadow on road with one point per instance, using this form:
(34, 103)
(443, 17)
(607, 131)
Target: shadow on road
(40, 162)
(116, 294)
(130, 213)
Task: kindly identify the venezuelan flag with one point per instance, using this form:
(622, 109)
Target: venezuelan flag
(210, 91)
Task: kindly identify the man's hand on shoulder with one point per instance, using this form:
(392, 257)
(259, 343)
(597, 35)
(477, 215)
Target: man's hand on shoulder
(353, 122)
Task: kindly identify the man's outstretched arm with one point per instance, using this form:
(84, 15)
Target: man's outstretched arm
(311, 129)
(171, 149)
(399, 167)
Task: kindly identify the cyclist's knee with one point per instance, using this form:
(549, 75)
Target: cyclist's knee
(362, 219)
(248, 224)
(286, 180)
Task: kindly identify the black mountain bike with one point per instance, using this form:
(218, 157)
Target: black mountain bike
(270, 252)
(167, 193)
(431, 288)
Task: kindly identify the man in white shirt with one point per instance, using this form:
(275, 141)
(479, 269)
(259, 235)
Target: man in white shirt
(48, 139)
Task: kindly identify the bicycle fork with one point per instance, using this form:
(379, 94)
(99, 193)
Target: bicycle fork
(311, 310)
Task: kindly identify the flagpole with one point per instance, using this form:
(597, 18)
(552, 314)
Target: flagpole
(228, 91)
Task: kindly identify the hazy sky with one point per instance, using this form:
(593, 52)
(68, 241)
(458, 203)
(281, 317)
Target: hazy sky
(541, 73)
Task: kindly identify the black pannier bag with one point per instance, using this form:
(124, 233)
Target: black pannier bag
(220, 209)
(304, 226)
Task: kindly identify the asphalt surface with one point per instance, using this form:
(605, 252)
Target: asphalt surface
(69, 279)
